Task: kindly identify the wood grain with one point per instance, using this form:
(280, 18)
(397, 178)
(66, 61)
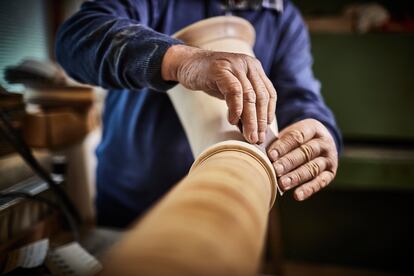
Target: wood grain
(214, 221)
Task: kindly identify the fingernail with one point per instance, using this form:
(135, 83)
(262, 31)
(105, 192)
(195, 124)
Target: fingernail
(301, 195)
(273, 155)
(262, 137)
(286, 182)
(253, 137)
(279, 169)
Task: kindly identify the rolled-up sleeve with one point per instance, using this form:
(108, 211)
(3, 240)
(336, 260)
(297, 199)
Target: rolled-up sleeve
(298, 91)
(111, 44)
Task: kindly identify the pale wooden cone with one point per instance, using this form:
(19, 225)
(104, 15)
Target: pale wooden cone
(214, 221)
(204, 117)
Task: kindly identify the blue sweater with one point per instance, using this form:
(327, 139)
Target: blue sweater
(119, 45)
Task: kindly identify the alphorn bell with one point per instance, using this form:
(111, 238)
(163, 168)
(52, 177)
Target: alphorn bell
(212, 222)
(204, 117)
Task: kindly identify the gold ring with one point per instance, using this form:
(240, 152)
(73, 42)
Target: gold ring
(313, 169)
(306, 151)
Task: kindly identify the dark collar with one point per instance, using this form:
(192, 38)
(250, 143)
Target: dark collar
(234, 5)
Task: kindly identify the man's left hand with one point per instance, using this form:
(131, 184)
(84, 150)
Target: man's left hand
(305, 157)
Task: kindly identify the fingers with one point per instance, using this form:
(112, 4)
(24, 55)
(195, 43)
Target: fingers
(232, 90)
(313, 186)
(304, 157)
(271, 109)
(304, 173)
(300, 156)
(305, 163)
(242, 82)
(262, 101)
(291, 138)
(249, 117)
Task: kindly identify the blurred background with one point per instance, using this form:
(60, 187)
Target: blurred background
(362, 224)
(365, 218)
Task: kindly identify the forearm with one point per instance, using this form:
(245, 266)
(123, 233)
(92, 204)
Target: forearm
(299, 94)
(102, 47)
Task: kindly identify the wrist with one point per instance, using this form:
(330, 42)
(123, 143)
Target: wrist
(171, 61)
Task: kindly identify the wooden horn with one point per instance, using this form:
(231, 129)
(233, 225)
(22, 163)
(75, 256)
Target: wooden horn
(213, 222)
(204, 117)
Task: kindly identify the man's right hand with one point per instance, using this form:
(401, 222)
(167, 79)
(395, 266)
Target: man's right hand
(237, 78)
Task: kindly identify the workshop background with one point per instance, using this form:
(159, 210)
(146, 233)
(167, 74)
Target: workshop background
(363, 223)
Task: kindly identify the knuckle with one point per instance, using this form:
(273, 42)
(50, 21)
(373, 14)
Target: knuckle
(297, 136)
(272, 96)
(249, 96)
(250, 59)
(308, 191)
(240, 59)
(314, 149)
(288, 163)
(233, 89)
(316, 187)
(261, 96)
(296, 177)
(323, 182)
(322, 163)
(220, 63)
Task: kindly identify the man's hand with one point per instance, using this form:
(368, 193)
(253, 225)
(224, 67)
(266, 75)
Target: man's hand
(238, 79)
(304, 156)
